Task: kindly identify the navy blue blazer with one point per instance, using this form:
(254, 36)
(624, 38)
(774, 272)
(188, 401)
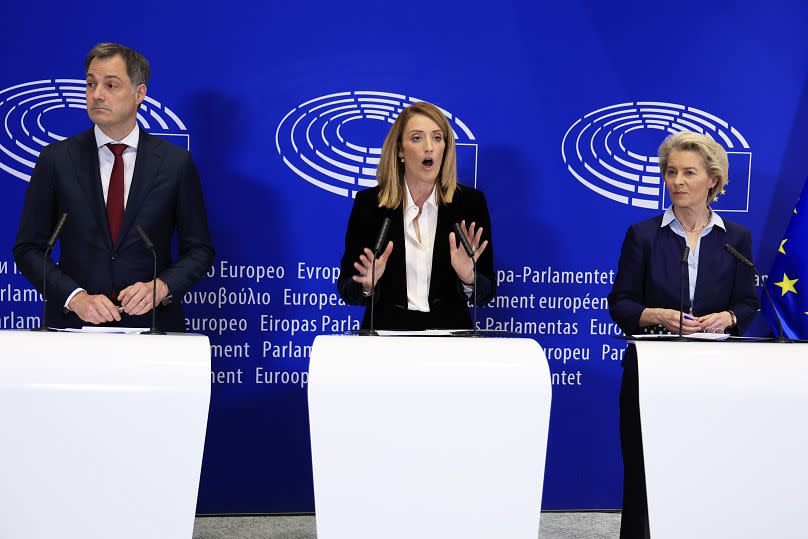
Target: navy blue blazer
(447, 300)
(165, 195)
(649, 273)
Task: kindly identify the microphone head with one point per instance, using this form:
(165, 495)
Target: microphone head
(459, 234)
(741, 258)
(143, 236)
(57, 230)
(377, 247)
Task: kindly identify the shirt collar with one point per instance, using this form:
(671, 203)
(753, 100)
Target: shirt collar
(431, 201)
(669, 217)
(130, 140)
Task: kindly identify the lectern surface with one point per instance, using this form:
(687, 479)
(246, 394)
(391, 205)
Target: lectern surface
(725, 438)
(428, 437)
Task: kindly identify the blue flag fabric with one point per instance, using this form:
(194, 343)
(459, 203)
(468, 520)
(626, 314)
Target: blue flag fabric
(788, 279)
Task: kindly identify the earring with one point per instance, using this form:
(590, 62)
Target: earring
(402, 159)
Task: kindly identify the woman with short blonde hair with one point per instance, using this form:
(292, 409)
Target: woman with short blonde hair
(714, 155)
(678, 258)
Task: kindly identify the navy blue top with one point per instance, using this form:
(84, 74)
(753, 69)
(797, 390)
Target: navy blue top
(649, 272)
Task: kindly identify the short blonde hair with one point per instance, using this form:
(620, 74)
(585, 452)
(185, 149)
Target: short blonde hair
(390, 172)
(712, 153)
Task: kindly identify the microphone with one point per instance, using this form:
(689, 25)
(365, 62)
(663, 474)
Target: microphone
(683, 262)
(57, 231)
(748, 263)
(150, 246)
(377, 248)
(143, 236)
(463, 240)
(741, 258)
(459, 234)
(51, 242)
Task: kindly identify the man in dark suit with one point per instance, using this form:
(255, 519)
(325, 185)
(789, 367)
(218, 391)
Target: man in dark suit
(109, 180)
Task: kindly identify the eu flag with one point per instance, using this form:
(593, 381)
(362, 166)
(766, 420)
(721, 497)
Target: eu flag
(788, 279)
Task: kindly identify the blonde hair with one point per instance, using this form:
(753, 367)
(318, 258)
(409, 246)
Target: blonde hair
(390, 172)
(712, 153)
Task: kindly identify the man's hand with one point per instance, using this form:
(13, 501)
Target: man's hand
(136, 299)
(94, 308)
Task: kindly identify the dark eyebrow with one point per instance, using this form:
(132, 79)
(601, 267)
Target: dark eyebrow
(105, 77)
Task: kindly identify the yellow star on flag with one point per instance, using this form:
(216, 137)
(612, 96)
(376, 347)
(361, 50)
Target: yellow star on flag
(787, 285)
(782, 244)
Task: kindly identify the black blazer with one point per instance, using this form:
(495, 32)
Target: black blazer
(165, 195)
(448, 302)
(648, 274)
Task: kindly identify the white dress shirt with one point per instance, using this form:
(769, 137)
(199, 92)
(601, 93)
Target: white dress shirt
(669, 219)
(105, 161)
(418, 254)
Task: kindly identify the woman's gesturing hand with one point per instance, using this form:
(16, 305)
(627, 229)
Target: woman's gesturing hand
(461, 262)
(365, 266)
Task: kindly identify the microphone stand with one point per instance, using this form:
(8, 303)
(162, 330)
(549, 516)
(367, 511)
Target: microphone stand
(474, 332)
(685, 254)
(371, 331)
(51, 242)
(150, 246)
(748, 263)
(377, 248)
(782, 337)
(44, 326)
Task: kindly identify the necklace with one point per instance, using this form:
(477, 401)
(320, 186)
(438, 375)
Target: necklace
(702, 227)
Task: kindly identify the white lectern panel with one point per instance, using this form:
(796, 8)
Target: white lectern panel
(102, 434)
(725, 438)
(428, 436)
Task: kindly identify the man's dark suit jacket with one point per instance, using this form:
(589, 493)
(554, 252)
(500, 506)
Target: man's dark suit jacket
(648, 274)
(447, 300)
(165, 195)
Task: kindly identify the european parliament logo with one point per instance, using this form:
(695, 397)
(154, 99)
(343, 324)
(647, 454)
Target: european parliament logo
(334, 141)
(38, 113)
(612, 151)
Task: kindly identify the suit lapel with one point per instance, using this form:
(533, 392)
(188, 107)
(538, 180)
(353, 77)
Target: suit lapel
(710, 249)
(84, 154)
(440, 250)
(147, 163)
(398, 262)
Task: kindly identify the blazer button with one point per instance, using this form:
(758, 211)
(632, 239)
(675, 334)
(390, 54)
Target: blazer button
(115, 256)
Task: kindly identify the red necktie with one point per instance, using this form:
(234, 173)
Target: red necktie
(115, 193)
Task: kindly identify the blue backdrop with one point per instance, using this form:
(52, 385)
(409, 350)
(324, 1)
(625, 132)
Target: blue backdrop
(558, 110)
